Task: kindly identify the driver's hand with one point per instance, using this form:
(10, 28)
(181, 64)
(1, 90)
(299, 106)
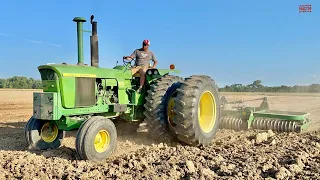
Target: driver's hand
(126, 57)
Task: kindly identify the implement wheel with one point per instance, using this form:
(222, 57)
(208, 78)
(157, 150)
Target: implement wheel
(96, 139)
(159, 107)
(41, 135)
(197, 111)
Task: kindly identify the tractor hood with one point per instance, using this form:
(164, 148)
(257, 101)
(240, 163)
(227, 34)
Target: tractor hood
(63, 70)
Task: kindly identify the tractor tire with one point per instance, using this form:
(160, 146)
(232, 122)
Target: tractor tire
(159, 108)
(38, 137)
(96, 139)
(81, 132)
(197, 111)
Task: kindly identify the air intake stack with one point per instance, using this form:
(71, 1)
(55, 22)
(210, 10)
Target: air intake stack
(80, 21)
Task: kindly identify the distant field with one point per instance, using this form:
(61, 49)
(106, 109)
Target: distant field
(1, 89)
(269, 94)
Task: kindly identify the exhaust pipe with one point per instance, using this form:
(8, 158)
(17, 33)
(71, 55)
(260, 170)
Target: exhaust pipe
(94, 44)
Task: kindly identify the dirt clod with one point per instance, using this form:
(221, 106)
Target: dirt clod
(191, 167)
(273, 142)
(260, 137)
(208, 173)
(282, 173)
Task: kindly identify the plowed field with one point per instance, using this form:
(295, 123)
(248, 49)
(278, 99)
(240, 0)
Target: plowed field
(234, 155)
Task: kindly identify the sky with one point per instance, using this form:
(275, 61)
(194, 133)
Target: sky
(232, 41)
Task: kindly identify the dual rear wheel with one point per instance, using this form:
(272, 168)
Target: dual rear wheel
(186, 110)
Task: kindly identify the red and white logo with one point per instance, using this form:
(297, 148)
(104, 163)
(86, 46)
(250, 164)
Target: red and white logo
(305, 8)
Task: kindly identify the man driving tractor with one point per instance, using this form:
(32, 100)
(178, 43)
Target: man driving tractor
(142, 56)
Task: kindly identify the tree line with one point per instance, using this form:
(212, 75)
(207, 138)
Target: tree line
(21, 82)
(257, 86)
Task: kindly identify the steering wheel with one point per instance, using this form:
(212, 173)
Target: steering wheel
(127, 63)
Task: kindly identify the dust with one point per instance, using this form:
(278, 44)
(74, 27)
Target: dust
(234, 155)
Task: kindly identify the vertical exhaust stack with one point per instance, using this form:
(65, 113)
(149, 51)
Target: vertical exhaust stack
(94, 44)
(80, 21)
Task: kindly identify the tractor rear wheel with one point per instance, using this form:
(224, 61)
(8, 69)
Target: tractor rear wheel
(41, 135)
(96, 139)
(197, 111)
(159, 107)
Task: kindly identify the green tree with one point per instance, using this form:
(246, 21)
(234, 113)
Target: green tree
(257, 86)
(20, 82)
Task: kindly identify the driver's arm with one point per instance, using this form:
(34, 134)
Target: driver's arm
(155, 60)
(132, 56)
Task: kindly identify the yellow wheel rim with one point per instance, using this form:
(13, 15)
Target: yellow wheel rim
(171, 104)
(49, 135)
(102, 141)
(207, 111)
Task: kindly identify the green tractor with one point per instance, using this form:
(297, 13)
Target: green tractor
(90, 98)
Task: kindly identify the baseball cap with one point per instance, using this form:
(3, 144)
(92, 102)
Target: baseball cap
(146, 42)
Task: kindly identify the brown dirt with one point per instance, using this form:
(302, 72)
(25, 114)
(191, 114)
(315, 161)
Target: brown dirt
(234, 155)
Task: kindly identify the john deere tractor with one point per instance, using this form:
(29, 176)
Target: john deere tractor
(90, 98)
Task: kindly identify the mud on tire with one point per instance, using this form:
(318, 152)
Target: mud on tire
(197, 91)
(156, 112)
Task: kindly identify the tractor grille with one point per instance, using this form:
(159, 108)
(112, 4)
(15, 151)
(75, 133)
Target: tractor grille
(85, 92)
(48, 74)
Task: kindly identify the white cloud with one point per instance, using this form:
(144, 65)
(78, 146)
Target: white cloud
(4, 34)
(34, 41)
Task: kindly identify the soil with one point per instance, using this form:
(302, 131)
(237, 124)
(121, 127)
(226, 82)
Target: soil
(234, 155)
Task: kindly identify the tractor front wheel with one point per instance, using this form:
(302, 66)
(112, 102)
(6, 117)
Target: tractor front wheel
(96, 139)
(42, 135)
(197, 111)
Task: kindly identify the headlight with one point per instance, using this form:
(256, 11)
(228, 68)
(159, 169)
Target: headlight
(155, 72)
(149, 72)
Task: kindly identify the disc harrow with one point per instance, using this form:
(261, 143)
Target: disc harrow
(241, 117)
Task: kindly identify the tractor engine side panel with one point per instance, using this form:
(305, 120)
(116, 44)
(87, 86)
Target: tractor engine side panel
(45, 105)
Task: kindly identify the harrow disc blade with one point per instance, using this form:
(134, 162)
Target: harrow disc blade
(277, 125)
(234, 123)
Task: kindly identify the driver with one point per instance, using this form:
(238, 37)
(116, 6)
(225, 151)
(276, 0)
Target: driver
(143, 56)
